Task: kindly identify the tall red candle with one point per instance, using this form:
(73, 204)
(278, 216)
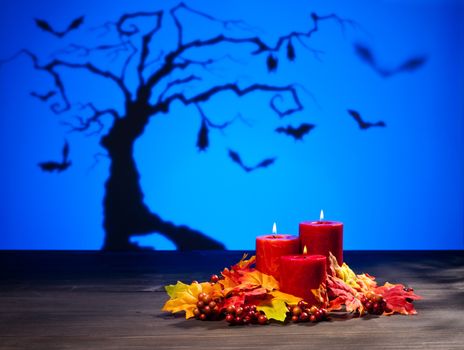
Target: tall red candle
(301, 273)
(270, 248)
(322, 237)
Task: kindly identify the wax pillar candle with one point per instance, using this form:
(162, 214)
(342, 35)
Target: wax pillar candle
(299, 274)
(322, 237)
(270, 248)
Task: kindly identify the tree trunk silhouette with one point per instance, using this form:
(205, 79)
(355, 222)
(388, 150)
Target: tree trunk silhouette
(125, 213)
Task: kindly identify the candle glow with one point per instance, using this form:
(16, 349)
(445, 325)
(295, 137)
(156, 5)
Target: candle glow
(305, 250)
(321, 215)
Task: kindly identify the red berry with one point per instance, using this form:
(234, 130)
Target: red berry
(312, 318)
(201, 296)
(238, 320)
(207, 299)
(207, 310)
(230, 309)
(212, 304)
(295, 318)
(230, 318)
(214, 278)
(196, 312)
(239, 310)
(262, 319)
(369, 306)
(201, 304)
(304, 316)
(247, 319)
(202, 317)
(313, 309)
(297, 311)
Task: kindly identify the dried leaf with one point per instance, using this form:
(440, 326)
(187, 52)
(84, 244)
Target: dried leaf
(398, 298)
(258, 279)
(274, 309)
(185, 297)
(288, 298)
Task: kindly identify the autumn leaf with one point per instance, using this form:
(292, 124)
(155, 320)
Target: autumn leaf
(288, 298)
(398, 298)
(321, 295)
(274, 309)
(258, 279)
(184, 297)
(341, 293)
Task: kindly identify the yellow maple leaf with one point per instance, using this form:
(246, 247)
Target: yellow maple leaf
(184, 297)
(259, 279)
(276, 308)
(288, 298)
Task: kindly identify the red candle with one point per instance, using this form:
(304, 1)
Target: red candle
(301, 273)
(322, 237)
(270, 248)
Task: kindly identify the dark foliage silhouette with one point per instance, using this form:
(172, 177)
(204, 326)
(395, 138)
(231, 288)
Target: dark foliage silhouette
(296, 132)
(161, 79)
(363, 124)
(263, 164)
(46, 27)
(409, 65)
(52, 166)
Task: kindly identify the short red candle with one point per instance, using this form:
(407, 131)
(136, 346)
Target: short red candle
(322, 237)
(270, 248)
(301, 273)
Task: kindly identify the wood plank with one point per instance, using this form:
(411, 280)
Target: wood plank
(89, 300)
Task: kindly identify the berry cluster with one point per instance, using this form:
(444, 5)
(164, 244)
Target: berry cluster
(207, 308)
(303, 312)
(245, 315)
(374, 303)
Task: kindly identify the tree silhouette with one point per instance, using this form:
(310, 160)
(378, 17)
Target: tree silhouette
(125, 213)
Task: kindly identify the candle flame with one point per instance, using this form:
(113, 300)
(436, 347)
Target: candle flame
(305, 251)
(321, 216)
(274, 229)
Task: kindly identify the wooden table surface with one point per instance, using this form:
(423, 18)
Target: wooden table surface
(94, 300)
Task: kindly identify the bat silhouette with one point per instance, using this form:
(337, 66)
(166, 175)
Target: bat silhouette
(44, 97)
(202, 139)
(46, 27)
(363, 124)
(409, 65)
(58, 166)
(263, 164)
(290, 51)
(271, 63)
(298, 132)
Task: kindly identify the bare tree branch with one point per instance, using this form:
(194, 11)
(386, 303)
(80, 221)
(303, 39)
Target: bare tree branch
(227, 24)
(210, 123)
(177, 82)
(50, 69)
(206, 95)
(93, 119)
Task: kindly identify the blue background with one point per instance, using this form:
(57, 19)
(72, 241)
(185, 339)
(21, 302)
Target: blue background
(399, 187)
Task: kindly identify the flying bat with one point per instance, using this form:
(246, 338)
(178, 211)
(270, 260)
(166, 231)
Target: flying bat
(363, 124)
(263, 164)
(44, 97)
(298, 132)
(409, 65)
(52, 166)
(46, 27)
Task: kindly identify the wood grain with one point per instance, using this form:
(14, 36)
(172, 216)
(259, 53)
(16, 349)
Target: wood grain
(93, 300)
